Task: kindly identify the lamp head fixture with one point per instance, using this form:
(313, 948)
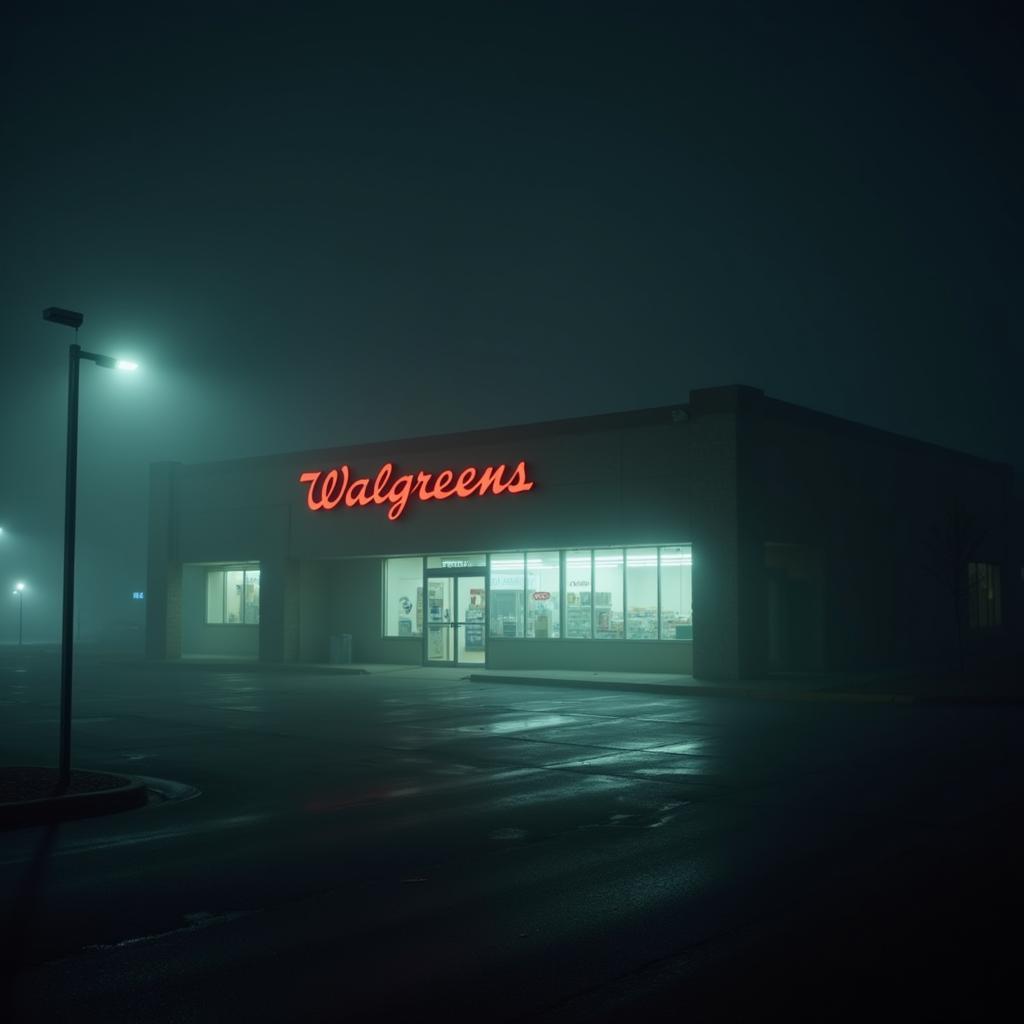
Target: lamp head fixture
(67, 317)
(108, 361)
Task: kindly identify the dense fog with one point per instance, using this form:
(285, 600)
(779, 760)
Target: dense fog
(349, 227)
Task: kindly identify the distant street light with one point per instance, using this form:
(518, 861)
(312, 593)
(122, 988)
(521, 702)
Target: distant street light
(69, 318)
(19, 593)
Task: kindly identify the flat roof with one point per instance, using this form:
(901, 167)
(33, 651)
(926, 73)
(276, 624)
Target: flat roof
(730, 399)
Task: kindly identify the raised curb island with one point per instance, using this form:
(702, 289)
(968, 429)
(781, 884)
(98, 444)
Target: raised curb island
(28, 795)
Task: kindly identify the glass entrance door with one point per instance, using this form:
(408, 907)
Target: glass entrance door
(455, 631)
(440, 620)
(470, 630)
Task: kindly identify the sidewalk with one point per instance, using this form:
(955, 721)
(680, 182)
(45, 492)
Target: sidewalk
(863, 688)
(891, 686)
(882, 687)
(860, 688)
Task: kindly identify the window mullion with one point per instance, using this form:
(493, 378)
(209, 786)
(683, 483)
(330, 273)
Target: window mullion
(526, 605)
(593, 594)
(657, 570)
(625, 595)
(562, 588)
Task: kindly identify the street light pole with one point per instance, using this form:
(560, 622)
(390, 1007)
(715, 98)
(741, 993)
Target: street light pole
(69, 318)
(67, 640)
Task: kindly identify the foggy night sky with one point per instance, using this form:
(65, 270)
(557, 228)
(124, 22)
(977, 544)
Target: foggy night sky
(321, 225)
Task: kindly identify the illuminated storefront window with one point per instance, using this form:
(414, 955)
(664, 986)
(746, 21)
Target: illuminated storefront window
(675, 589)
(579, 618)
(403, 597)
(543, 594)
(507, 582)
(233, 596)
(580, 594)
(642, 594)
(608, 617)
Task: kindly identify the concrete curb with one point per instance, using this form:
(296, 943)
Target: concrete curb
(766, 690)
(972, 698)
(698, 690)
(756, 692)
(292, 667)
(126, 792)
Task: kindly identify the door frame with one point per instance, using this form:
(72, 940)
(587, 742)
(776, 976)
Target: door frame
(454, 574)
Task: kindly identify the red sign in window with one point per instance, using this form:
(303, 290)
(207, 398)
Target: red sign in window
(328, 489)
(541, 595)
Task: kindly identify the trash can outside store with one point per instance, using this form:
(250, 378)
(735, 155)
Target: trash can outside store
(341, 649)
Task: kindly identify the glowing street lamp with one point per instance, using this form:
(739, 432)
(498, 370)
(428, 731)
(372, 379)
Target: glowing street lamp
(19, 593)
(69, 318)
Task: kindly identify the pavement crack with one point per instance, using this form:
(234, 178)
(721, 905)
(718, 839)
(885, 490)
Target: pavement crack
(195, 921)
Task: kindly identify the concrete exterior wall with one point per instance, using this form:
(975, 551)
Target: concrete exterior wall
(356, 602)
(200, 639)
(314, 612)
(877, 510)
(714, 481)
(673, 657)
(163, 591)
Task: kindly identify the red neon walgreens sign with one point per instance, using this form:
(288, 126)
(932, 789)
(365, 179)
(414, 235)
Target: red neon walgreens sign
(328, 489)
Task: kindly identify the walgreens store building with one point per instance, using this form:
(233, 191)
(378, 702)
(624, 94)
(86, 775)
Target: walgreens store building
(685, 539)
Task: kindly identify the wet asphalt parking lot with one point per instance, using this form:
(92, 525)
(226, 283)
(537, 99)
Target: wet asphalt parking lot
(410, 844)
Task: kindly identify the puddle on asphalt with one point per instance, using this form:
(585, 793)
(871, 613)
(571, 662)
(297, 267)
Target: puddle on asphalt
(508, 833)
(689, 747)
(644, 820)
(228, 704)
(520, 724)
